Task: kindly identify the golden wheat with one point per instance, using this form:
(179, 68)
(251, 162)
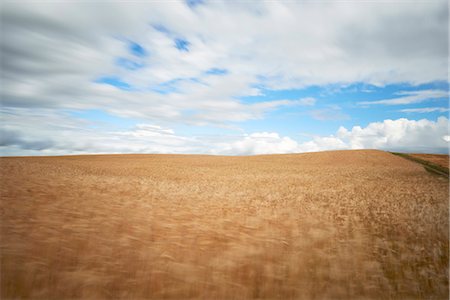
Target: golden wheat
(334, 225)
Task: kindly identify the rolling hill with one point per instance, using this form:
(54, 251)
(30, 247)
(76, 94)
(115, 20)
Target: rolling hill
(339, 224)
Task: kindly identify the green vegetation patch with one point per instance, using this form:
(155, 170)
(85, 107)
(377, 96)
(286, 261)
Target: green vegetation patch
(429, 166)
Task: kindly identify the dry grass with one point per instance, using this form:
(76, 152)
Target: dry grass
(438, 159)
(334, 225)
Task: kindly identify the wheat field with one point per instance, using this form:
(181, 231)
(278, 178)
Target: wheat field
(329, 225)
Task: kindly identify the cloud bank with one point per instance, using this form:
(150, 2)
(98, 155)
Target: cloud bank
(393, 135)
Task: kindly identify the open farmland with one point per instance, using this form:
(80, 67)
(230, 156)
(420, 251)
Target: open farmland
(335, 225)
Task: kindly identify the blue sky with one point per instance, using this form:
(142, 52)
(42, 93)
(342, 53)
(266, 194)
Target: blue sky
(341, 108)
(215, 78)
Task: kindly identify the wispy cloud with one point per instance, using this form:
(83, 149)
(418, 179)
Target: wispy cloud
(46, 47)
(424, 110)
(330, 113)
(409, 97)
(308, 101)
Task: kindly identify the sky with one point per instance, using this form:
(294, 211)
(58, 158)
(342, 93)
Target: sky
(223, 77)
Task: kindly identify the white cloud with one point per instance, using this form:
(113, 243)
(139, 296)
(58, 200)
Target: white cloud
(397, 135)
(330, 113)
(424, 109)
(409, 97)
(148, 130)
(257, 143)
(52, 53)
(401, 134)
(66, 135)
(307, 101)
(42, 132)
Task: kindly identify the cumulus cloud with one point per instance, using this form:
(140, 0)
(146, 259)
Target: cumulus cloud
(395, 135)
(401, 134)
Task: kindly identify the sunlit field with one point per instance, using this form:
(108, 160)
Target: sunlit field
(328, 225)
